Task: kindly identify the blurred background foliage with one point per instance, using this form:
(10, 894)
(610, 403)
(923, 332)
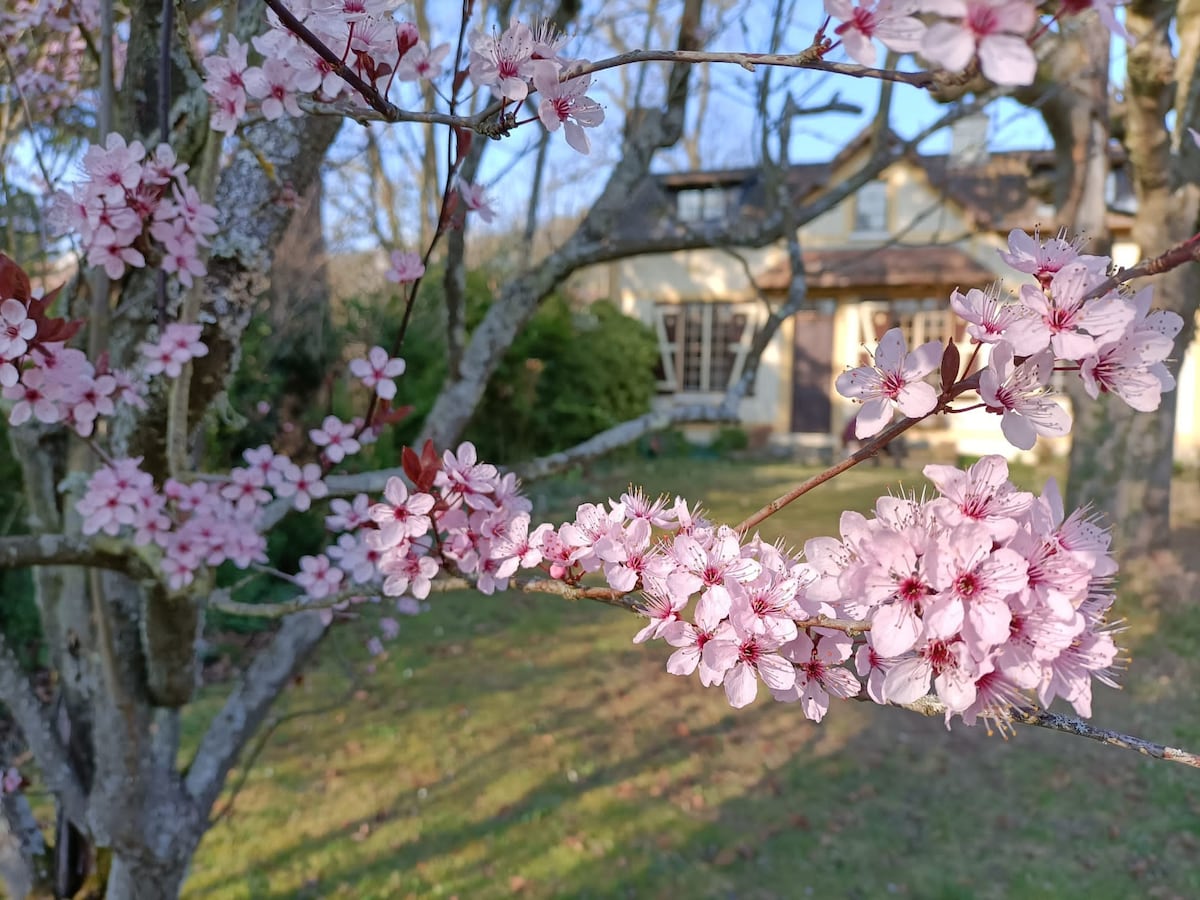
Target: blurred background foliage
(569, 374)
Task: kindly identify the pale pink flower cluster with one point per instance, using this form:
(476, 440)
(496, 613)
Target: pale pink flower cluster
(193, 525)
(510, 62)
(994, 32)
(985, 592)
(47, 46)
(178, 345)
(748, 597)
(373, 44)
(50, 383)
(128, 198)
(201, 523)
(1112, 340)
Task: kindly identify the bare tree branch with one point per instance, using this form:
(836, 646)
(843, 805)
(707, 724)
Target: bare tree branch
(99, 552)
(247, 706)
(1041, 718)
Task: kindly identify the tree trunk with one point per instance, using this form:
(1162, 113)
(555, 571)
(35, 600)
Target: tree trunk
(1121, 460)
(134, 877)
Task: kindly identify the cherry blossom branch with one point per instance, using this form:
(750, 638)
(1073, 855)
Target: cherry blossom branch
(1040, 718)
(809, 58)
(1183, 252)
(869, 449)
(367, 91)
(384, 110)
(222, 601)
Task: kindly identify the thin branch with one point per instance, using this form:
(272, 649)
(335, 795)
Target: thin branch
(1039, 718)
(221, 601)
(869, 449)
(381, 109)
(249, 703)
(1184, 252)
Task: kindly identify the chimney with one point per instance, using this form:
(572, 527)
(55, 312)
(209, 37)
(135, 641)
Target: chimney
(969, 141)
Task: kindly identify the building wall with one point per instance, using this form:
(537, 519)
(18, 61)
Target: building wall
(917, 215)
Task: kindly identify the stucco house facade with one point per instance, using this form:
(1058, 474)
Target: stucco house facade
(889, 255)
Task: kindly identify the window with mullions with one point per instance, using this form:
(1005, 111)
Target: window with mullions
(702, 204)
(703, 346)
(871, 208)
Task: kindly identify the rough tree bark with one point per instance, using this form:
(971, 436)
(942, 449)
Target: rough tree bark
(126, 654)
(1121, 460)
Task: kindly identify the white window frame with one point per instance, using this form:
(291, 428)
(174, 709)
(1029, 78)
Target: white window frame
(671, 351)
(711, 204)
(867, 228)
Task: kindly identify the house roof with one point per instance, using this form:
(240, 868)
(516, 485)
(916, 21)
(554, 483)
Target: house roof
(936, 266)
(1010, 189)
(1005, 190)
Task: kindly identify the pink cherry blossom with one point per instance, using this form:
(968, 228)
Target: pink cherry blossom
(274, 84)
(463, 476)
(475, 198)
(16, 329)
(302, 484)
(377, 370)
(405, 267)
(404, 516)
(348, 515)
(336, 438)
(421, 63)
(892, 21)
(563, 103)
(819, 672)
(318, 576)
(995, 29)
(504, 63)
(744, 659)
(1020, 394)
(989, 315)
(894, 381)
(1043, 260)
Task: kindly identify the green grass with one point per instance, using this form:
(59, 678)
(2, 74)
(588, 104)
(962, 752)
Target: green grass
(520, 745)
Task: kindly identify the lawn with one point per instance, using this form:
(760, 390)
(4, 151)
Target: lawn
(520, 745)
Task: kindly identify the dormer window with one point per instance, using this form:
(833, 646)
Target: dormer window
(702, 204)
(871, 208)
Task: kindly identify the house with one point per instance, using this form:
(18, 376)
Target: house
(889, 255)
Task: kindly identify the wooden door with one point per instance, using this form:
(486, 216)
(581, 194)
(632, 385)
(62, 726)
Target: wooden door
(812, 372)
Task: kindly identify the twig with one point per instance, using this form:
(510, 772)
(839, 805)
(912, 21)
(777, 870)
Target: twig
(1040, 718)
(809, 58)
(1183, 252)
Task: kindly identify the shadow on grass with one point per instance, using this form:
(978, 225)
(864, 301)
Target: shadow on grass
(546, 757)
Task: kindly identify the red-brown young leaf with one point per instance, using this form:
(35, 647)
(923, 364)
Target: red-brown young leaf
(431, 464)
(392, 415)
(51, 331)
(14, 283)
(411, 463)
(463, 144)
(951, 361)
(459, 77)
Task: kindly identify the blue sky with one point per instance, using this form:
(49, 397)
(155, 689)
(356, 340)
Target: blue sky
(729, 133)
